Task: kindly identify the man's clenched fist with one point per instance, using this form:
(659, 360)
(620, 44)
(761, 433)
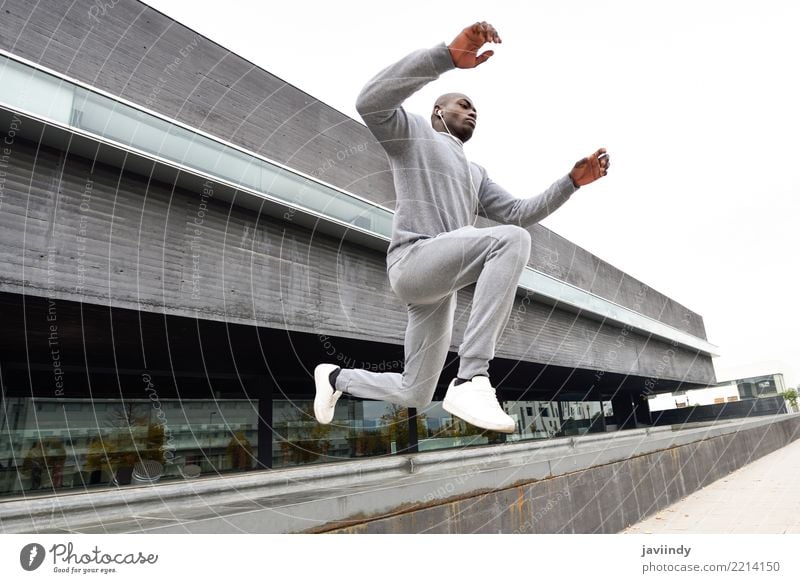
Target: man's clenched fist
(590, 168)
(464, 48)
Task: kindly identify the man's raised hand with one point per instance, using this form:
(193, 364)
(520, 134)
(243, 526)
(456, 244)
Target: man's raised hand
(464, 48)
(590, 168)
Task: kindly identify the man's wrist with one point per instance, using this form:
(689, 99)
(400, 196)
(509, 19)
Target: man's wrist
(452, 56)
(575, 184)
(442, 58)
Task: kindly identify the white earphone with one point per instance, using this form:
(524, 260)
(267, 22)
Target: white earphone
(469, 169)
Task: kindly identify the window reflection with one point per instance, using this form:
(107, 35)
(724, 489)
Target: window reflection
(443, 431)
(549, 419)
(358, 429)
(58, 444)
(365, 429)
(371, 428)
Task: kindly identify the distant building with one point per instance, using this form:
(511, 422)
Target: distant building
(748, 397)
(716, 395)
(762, 386)
(770, 385)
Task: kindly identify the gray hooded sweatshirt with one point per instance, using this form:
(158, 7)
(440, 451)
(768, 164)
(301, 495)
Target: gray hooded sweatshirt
(438, 190)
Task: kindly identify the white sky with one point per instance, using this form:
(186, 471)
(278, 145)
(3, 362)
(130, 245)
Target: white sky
(696, 101)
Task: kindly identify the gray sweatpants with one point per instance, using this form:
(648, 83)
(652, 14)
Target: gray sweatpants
(427, 278)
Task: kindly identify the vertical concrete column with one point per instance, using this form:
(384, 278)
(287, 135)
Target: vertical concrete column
(5, 425)
(630, 411)
(413, 438)
(262, 388)
(3, 403)
(642, 412)
(624, 416)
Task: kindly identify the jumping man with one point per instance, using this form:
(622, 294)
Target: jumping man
(435, 248)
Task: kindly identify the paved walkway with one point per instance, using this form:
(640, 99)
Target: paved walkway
(762, 497)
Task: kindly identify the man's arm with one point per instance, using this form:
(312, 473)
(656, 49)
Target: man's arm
(380, 101)
(497, 204)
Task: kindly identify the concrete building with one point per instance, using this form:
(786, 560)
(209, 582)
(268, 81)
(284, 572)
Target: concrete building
(722, 393)
(756, 387)
(749, 397)
(185, 235)
(768, 385)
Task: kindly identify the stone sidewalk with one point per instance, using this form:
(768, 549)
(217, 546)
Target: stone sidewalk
(762, 497)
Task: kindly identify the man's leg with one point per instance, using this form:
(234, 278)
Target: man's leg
(427, 341)
(494, 257)
(430, 273)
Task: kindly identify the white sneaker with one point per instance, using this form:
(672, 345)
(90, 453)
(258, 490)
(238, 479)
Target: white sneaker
(327, 395)
(476, 403)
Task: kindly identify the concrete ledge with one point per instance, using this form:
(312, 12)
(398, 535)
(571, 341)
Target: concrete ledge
(593, 483)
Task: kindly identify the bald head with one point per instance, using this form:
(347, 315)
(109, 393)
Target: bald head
(447, 98)
(458, 115)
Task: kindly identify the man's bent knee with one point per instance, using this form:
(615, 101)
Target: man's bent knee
(517, 237)
(513, 234)
(522, 235)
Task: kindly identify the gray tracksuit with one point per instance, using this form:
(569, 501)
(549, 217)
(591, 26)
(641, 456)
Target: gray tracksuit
(434, 249)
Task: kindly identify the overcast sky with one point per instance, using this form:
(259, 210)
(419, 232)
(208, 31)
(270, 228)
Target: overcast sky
(695, 101)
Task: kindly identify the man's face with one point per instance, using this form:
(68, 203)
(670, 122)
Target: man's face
(459, 114)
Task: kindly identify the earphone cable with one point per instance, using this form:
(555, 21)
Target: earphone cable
(473, 191)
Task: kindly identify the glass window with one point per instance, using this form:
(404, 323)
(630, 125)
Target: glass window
(36, 92)
(47, 96)
(112, 442)
(437, 429)
(364, 429)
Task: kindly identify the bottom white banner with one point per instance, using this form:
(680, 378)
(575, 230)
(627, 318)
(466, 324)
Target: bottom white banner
(132, 557)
